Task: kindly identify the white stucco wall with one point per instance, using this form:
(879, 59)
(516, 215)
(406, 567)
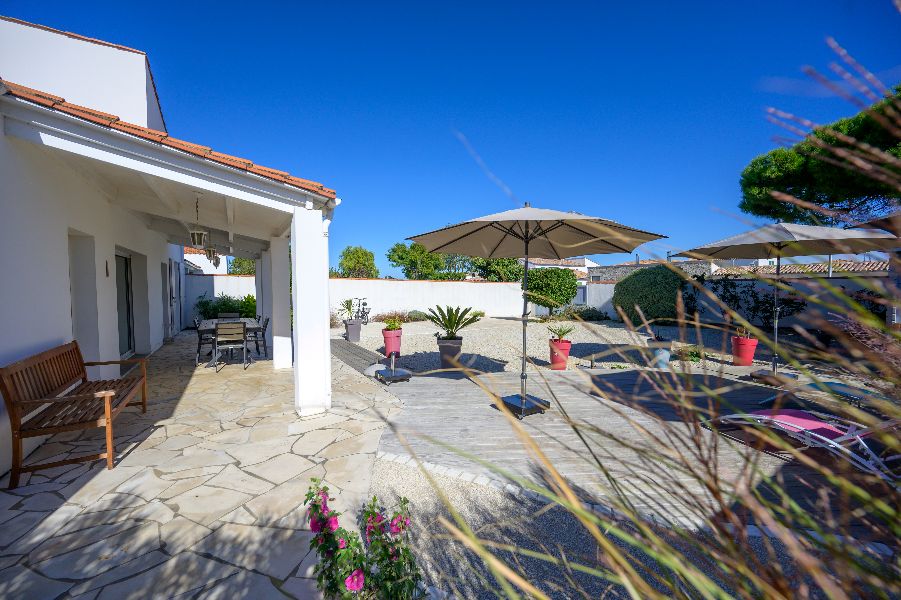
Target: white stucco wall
(600, 296)
(384, 295)
(43, 202)
(98, 76)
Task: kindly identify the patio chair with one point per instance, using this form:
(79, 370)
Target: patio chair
(203, 339)
(260, 336)
(231, 336)
(228, 315)
(845, 439)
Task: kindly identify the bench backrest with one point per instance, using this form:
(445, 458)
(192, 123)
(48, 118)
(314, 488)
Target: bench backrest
(44, 375)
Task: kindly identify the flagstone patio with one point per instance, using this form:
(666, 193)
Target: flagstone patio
(206, 497)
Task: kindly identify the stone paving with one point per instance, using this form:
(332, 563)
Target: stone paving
(206, 498)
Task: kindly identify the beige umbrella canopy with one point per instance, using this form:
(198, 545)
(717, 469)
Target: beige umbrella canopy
(789, 239)
(533, 233)
(548, 233)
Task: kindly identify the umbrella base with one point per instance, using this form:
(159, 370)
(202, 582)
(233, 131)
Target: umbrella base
(531, 406)
(389, 376)
(777, 379)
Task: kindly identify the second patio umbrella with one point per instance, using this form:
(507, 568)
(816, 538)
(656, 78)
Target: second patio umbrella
(781, 240)
(533, 233)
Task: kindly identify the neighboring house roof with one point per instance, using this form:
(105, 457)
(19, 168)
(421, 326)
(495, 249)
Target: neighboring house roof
(189, 266)
(838, 266)
(57, 103)
(553, 262)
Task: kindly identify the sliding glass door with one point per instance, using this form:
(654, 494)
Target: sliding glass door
(125, 305)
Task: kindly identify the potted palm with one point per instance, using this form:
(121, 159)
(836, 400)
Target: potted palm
(392, 333)
(352, 326)
(451, 320)
(559, 345)
(743, 348)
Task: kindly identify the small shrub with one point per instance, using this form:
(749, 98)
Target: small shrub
(417, 315)
(333, 320)
(653, 290)
(397, 315)
(209, 308)
(560, 331)
(451, 320)
(552, 288)
(382, 566)
(691, 353)
(584, 313)
(478, 313)
(393, 324)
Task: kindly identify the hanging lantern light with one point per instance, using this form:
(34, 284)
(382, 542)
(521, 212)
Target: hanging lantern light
(198, 235)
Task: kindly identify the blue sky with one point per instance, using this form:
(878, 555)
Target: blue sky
(641, 112)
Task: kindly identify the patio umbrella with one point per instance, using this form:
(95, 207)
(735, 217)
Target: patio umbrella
(533, 233)
(780, 240)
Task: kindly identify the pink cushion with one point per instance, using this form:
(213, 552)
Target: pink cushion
(792, 419)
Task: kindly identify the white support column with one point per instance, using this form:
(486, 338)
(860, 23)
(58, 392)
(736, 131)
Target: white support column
(309, 266)
(264, 301)
(280, 297)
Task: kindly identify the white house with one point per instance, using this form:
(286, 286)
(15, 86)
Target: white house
(197, 258)
(100, 198)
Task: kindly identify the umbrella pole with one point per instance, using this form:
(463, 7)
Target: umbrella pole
(523, 376)
(776, 315)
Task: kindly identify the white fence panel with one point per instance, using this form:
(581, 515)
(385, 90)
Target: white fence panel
(385, 295)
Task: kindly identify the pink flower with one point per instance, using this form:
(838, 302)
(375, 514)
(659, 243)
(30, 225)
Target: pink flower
(354, 581)
(398, 524)
(332, 524)
(342, 543)
(315, 525)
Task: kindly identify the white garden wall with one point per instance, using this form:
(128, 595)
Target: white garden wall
(384, 295)
(215, 285)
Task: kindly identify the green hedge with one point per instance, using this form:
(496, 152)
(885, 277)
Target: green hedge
(654, 290)
(552, 288)
(209, 308)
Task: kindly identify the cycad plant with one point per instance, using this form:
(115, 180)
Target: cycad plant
(452, 320)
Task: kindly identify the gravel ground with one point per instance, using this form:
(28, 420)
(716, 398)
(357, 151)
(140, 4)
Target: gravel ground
(503, 518)
(495, 344)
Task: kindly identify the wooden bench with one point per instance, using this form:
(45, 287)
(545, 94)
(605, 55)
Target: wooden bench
(50, 393)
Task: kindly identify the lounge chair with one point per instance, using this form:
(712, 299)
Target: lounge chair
(845, 439)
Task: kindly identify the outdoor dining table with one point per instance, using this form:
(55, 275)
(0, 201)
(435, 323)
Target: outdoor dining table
(208, 326)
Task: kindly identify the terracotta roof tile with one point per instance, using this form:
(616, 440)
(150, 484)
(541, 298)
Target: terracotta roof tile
(96, 116)
(187, 146)
(232, 161)
(112, 121)
(143, 132)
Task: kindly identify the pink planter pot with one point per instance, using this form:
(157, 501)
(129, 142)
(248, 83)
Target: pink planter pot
(392, 340)
(743, 351)
(559, 353)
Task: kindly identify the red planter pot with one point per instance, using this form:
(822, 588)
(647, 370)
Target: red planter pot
(392, 340)
(743, 351)
(559, 353)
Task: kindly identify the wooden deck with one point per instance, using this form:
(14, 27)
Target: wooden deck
(619, 403)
